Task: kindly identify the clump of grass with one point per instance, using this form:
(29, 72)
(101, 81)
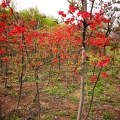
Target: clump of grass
(57, 90)
(62, 113)
(73, 116)
(107, 116)
(74, 99)
(105, 99)
(12, 117)
(72, 88)
(98, 91)
(12, 93)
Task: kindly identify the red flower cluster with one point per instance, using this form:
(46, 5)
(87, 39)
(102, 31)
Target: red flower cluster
(105, 5)
(5, 3)
(103, 63)
(3, 38)
(11, 11)
(85, 15)
(85, 55)
(32, 22)
(104, 75)
(62, 13)
(93, 78)
(4, 16)
(5, 59)
(72, 9)
(2, 51)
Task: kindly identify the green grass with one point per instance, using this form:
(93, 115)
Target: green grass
(73, 116)
(74, 99)
(12, 117)
(12, 93)
(107, 116)
(55, 114)
(71, 88)
(98, 91)
(105, 99)
(57, 90)
(62, 113)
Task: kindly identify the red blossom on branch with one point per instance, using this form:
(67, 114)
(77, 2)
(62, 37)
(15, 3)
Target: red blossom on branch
(85, 15)
(2, 51)
(5, 59)
(104, 75)
(11, 11)
(85, 55)
(55, 61)
(62, 13)
(93, 78)
(103, 63)
(105, 5)
(3, 38)
(4, 16)
(5, 3)
(72, 9)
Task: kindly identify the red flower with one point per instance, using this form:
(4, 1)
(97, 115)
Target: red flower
(85, 15)
(33, 23)
(93, 78)
(39, 64)
(3, 38)
(55, 50)
(55, 61)
(5, 59)
(72, 19)
(11, 11)
(108, 21)
(14, 41)
(85, 55)
(72, 9)
(112, 49)
(103, 63)
(79, 13)
(21, 46)
(104, 75)
(2, 51)
(5, 3)
(4, 16)
(105, 5)
(18, 60)
(62, 13)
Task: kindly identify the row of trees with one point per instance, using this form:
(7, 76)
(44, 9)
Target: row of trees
(28, 45)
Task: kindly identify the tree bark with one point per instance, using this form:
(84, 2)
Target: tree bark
(0, 111)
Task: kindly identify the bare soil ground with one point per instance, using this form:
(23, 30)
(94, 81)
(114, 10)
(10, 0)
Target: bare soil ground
(55, 107)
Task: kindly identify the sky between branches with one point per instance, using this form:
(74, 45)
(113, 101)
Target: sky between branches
(48, 7)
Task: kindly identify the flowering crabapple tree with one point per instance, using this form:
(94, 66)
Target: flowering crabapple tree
(33, 48)
(94, 40)
(80, 42)
(18, 31)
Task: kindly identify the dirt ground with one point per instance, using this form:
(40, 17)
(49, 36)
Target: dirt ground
(55, 107)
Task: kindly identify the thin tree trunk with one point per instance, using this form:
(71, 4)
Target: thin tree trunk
(21, 75)
(38, 96)
(93, 90)
(82, 73)
(49, 77)
(0, 111)
(82, 88)
(59, 61)
(84, 4)
(6, 69)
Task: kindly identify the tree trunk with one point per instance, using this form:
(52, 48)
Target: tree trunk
(0, 111)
